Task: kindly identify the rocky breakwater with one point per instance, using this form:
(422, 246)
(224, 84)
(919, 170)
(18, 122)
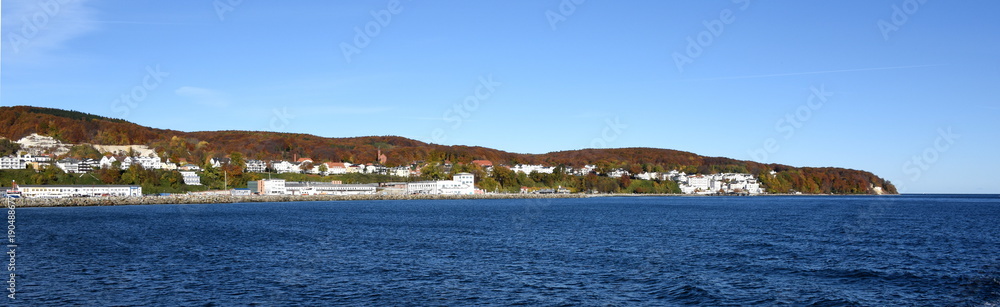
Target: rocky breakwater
(216, 199)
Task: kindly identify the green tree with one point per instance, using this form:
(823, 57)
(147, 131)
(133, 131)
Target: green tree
(489, 184)
(323, 169)
(133, 175)
(49, 174)
(433, 171)
(305, 167)
(7, 147)
(84, 151)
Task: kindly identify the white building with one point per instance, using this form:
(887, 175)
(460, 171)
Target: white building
(271, 187)
(284, 167)
(69, 165)
(698, 182)
(618, 173)
(151, 162)
(127, 162)
(461, 184)
(12, 162)
(191, 178)
(256, 166)
(107, 161)
(401, 171)
(59, 191)
(170, 166)
(328, 188)
(88, 165)
(527, 169)
(727, 183)
(218, 162)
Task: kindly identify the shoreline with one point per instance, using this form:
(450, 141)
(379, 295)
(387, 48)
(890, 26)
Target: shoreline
(228, 199)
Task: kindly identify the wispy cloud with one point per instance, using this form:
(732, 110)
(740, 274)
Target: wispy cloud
(816, 72)
(204, 96)
(40, 27)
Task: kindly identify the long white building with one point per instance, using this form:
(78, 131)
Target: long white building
(461, 184)
(59, 191)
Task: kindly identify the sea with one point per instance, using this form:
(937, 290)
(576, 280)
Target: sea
(910, 250)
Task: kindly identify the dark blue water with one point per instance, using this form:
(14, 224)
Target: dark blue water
(823, 251)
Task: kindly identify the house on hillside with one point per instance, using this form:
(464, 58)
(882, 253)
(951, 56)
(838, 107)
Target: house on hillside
(256, 166)
(191, 178)
(88, 165)
(335, 168)
(151, 162)
(107, 161)
(69, 165)
(12, 162)
(284, 167)
(189, 167)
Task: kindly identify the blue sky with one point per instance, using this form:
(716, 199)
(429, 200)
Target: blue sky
(855, 84)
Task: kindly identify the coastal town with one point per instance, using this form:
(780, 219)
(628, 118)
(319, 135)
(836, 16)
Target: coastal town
(41, 152)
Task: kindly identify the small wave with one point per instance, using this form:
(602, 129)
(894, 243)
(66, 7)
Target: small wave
(690, 294)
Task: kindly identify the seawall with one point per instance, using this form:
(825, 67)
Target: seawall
(217, 199)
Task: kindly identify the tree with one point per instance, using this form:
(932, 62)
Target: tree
(84, 152)
(433, 171)
(323, 169)
(305, 167)
(489, 184)
(7, 147)
(505, 177)
(109, 176)
(624, 181)
(134, 174)
(237, 161)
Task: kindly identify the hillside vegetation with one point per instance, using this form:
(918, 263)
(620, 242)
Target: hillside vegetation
(80, 128)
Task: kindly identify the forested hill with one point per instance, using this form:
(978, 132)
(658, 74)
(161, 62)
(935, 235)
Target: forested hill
(80, 128)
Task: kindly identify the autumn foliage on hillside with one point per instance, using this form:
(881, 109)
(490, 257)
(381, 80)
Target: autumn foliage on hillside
(77, 128)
